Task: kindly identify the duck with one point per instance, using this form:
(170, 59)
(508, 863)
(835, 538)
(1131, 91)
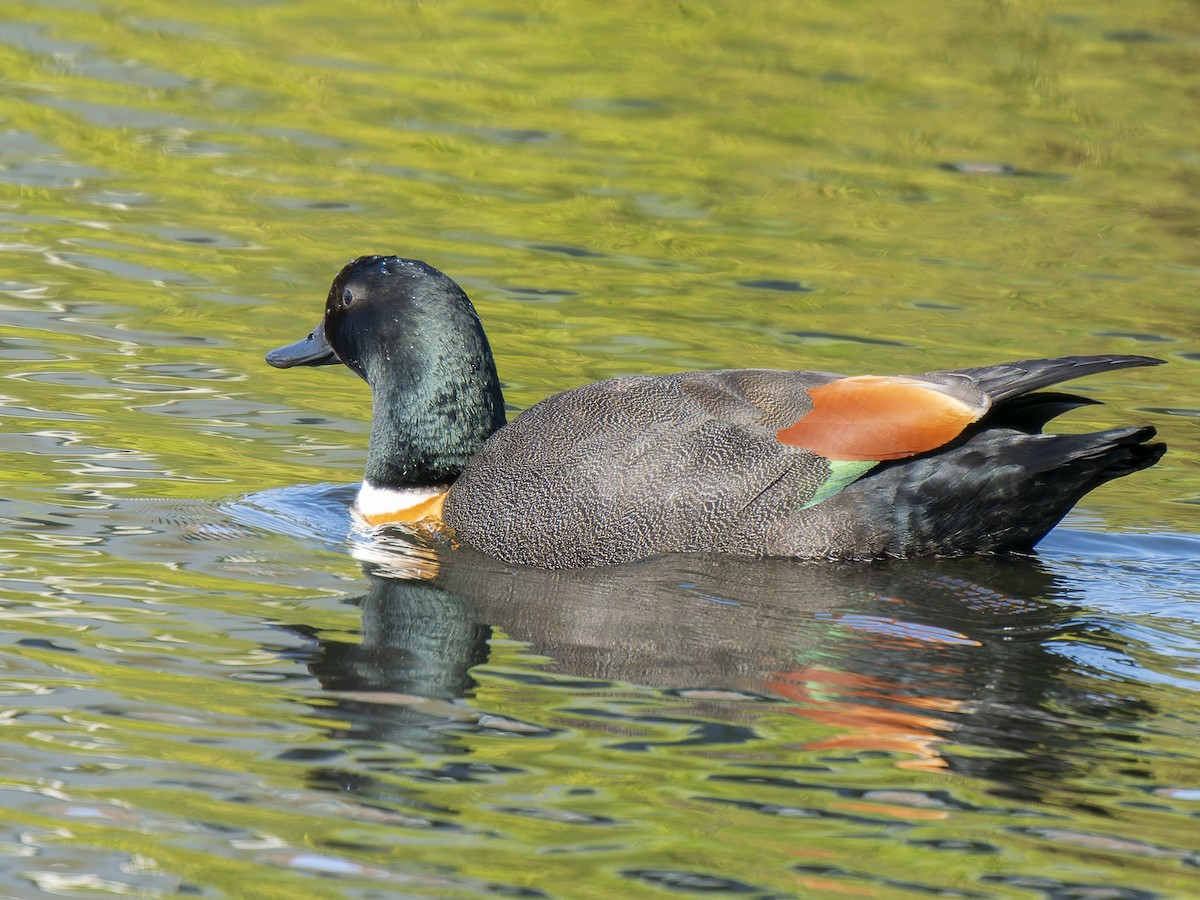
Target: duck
(748, 462)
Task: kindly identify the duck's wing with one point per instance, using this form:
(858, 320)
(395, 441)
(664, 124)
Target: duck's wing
(878, 418)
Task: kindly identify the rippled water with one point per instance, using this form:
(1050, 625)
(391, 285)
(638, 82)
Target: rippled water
(213, 689)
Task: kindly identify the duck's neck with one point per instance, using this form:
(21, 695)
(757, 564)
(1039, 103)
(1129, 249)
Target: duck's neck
(426, 426)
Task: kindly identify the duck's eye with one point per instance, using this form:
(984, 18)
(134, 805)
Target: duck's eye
(347, 298)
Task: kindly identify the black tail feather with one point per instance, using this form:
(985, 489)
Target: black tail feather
(1114, 454)
(998, 490)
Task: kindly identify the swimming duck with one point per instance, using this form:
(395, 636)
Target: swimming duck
(741, 461)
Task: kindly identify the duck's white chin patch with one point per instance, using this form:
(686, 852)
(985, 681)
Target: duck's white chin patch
(385, 504)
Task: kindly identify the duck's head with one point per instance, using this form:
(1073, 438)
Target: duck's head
(377, 307)
(411, 333)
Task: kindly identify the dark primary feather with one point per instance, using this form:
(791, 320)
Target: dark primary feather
(1001, 382)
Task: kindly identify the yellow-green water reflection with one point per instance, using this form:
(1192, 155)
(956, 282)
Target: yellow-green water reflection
(625, 187)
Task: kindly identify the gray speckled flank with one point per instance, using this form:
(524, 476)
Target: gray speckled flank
(636, 466)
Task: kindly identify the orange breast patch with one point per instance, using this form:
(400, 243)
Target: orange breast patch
(428, 511)
(871, 417)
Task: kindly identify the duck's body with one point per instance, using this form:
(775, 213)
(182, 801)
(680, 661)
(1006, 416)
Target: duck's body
(748, 461)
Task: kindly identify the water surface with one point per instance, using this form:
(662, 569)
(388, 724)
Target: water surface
(215, 690)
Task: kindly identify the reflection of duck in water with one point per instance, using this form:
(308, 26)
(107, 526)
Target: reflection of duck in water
(752, 461)
(897, 657)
